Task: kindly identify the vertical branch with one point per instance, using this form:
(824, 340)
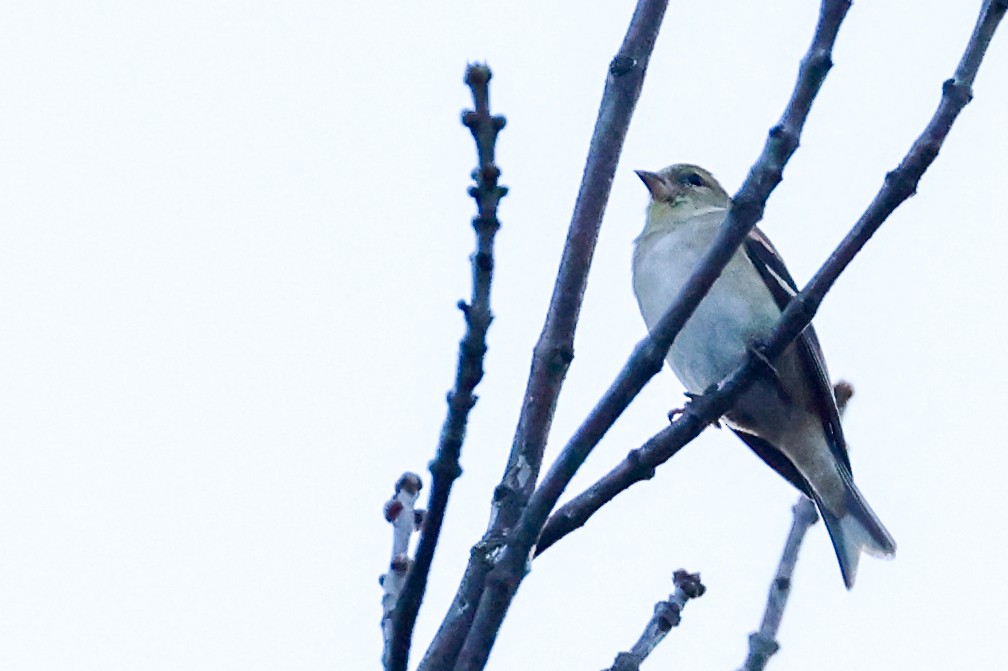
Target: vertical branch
(445, 468)
(554, 351)
(401, 513)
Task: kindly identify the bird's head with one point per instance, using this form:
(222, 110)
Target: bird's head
(679, 192)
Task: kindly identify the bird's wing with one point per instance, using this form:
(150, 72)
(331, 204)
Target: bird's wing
(775, 459)
(770, 266)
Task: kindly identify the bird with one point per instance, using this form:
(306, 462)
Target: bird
(788, 417)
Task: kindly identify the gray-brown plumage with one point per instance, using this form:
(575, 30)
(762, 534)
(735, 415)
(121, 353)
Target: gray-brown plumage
(789, 419)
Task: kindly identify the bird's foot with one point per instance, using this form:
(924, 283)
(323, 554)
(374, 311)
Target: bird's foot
(692, 396)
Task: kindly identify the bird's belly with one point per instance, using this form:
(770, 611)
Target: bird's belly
(711, 345)
(738, 311)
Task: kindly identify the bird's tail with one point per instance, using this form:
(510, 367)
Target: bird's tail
(854, 527)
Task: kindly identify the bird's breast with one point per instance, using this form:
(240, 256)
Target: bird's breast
(738, 310)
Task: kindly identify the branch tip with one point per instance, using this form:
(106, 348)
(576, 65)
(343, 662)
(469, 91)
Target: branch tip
(666, 615)
(478, 74)
(689, 583)
(410, 482)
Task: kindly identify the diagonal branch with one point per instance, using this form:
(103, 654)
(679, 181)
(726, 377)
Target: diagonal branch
(554, 351)
(899, 185)
(445, 467)
(637, 466)
(667, 614)
(647, 357)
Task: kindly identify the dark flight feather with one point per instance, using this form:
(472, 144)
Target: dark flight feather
(768, 263)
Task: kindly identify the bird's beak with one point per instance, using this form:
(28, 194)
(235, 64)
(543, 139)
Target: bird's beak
(655, 184)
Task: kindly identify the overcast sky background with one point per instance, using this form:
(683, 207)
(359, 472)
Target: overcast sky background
(232, 237)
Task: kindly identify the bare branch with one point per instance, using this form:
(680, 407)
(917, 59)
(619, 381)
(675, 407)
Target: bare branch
(763, 643)
(554, 351)
(748, 203)
(445, 467)
(400, 511)
(507, 573)
(647, 357)
(667, 614)
(899, 185)
(639, 465)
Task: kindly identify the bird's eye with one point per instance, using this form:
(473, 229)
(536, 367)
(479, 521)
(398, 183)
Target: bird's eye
(692, 178)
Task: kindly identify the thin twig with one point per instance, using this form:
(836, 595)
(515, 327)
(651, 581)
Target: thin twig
(401, 513)
(553, 352)
(647, 358)
(667, 614)
(763, 643)
(899, 185)
(445, 468)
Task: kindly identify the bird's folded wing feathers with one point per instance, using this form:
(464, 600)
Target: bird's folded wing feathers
(769, 264)
(775, 459)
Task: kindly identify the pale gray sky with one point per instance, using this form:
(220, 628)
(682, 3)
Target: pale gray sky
(233, 235)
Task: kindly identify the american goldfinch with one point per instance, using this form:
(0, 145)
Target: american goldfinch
(789, 418)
